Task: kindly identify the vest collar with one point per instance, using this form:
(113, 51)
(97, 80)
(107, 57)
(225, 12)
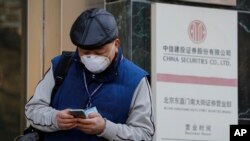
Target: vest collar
(109, 74)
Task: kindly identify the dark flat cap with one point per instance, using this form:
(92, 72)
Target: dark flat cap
(93, 29)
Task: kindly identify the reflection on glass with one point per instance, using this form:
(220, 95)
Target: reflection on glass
(11, 85)
(133, 19)
(244, 66)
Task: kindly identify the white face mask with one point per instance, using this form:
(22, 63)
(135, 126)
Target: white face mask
(96, 63)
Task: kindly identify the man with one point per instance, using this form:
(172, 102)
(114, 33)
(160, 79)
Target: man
(99, 77)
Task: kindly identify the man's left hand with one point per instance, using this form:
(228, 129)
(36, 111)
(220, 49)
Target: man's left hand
(93, 124)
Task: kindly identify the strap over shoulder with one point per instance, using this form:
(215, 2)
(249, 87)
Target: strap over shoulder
(62, 70)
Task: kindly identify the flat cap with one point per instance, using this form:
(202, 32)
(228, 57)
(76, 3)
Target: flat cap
(93, 29)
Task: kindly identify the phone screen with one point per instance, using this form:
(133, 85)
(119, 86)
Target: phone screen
(78, 113)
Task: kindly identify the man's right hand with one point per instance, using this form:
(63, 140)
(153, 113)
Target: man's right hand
(65, 121)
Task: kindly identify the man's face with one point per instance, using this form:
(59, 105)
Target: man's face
(103, 51)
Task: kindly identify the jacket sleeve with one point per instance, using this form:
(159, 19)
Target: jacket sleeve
(37, 110)
(140, 123)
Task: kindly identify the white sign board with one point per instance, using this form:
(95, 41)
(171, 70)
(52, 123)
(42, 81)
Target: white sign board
(194, 72)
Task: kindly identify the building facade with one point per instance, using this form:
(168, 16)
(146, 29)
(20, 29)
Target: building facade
(32, 32)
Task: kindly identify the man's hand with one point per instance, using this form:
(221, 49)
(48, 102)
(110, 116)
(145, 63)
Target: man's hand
(93, 124)
(65, 121)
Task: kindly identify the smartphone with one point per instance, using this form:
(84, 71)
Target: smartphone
(80, 113)
(77, 113)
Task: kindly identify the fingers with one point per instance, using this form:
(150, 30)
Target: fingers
(65, 121)
(88, 129)
(93, 115)
(64, 114)
(91, 119)
(95, 124)
(67, 126)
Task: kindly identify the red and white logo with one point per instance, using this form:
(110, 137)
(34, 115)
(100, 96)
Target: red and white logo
(197, 31)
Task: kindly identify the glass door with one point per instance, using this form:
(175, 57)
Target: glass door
(12, 67)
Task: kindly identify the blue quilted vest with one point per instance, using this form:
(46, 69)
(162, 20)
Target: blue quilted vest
(112, 99)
